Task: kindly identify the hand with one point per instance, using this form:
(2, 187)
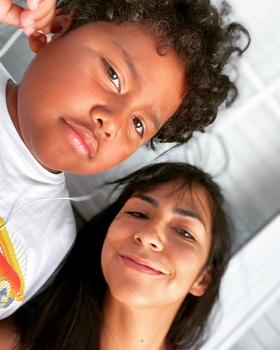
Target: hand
(38, 15)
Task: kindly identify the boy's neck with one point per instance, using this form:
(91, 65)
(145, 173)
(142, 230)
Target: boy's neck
(11, 98)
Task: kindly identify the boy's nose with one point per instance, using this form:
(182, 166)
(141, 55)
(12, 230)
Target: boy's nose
(109, 123)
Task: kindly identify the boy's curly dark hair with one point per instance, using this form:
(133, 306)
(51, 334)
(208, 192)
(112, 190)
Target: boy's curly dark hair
(203, 39)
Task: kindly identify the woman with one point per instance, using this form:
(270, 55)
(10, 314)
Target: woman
(143, 274)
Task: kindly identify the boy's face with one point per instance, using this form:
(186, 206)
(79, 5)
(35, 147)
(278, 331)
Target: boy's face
(93, 97)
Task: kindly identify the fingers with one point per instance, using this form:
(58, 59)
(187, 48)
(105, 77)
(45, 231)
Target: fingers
(33, 4)
(44, 13)
(10, 13)
(39, 15)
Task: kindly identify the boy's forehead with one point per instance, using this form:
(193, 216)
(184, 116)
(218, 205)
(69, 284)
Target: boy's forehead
(134, 31)
(129, 36)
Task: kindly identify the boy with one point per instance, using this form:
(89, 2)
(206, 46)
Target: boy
(116, 75)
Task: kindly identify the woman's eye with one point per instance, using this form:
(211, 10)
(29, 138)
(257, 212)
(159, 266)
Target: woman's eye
(139, 127)
(137, 214)
(184, 233)
(113, 76)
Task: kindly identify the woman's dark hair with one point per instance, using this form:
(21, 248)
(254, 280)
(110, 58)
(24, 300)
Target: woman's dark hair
(68, 314)
(204, 39)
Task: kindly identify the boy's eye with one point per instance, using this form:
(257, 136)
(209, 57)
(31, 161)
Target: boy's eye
(113, 76)
(184, 233)
(137, 214)
(139, 127)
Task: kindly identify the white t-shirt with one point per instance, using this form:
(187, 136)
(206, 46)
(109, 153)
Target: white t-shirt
(37, 236)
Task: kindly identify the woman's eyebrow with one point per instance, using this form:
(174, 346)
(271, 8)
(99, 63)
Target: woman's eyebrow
(135, 76)
(146, 198)
(189, 213)
(179, 211)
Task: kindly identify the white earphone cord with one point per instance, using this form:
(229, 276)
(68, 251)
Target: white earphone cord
(73, 199)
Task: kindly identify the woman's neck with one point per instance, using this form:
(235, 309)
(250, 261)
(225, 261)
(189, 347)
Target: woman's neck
(134, 328)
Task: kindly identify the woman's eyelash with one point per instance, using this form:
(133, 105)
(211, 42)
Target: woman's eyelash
(139, 127)
(185, 233)
(113, 76)
(137, 214)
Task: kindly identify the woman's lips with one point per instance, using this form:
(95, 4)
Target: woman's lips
(139, 266)
(81, 139)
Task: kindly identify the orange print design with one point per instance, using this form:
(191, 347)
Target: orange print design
(11, 280)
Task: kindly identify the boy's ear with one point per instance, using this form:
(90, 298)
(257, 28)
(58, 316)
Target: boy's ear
(202, 282)
(59, 27)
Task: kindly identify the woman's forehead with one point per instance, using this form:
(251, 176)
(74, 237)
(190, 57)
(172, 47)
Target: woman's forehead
(182, 192)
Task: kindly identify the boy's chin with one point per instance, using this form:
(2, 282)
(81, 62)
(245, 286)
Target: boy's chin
(48, 168)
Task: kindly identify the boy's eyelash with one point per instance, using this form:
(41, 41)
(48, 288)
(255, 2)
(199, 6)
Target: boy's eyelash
(113, 76)
(138, 124)
(137, 214)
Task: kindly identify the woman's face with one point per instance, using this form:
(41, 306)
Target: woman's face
(156, 249)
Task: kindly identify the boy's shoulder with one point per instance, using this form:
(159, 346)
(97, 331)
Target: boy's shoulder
(4, 77)
(4, 74)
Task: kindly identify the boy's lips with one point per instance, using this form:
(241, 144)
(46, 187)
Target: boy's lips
(81, 138)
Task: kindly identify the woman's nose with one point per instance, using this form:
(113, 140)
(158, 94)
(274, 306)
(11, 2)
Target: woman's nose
(149, 238)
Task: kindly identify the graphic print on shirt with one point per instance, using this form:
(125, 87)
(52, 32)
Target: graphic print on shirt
(11, 279)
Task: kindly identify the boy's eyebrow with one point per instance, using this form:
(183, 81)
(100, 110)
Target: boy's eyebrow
(155, 121)
(136, 76)
(180, 211)
(128, 60)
